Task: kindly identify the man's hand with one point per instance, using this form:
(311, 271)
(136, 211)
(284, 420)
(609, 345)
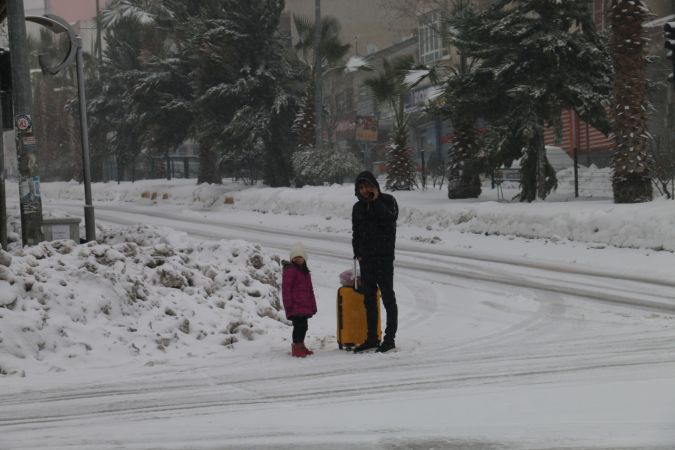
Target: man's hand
(369, 192)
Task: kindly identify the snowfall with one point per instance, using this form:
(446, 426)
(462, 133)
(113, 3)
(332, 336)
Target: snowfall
(548, 325)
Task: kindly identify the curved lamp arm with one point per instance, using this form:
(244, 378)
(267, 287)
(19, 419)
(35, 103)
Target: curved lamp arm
(57, 25)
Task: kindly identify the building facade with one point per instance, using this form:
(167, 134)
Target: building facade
(593, 147)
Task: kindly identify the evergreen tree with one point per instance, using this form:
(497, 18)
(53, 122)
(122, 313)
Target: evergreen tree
(304, 124)
(631, 179)
(243, 84)
(537, 58)
(162, 95)
(464, 162)
(114, 126)
(216, 71)
(389, 87)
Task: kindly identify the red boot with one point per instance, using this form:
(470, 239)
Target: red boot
(297, 350)
(306, 350)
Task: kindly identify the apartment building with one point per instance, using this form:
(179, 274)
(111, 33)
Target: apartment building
(374, 23)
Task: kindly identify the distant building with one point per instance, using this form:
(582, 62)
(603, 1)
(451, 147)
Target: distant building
(366, 24)
(592, 146)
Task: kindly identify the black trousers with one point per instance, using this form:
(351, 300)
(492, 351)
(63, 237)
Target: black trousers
(299, 328)
(379, 273)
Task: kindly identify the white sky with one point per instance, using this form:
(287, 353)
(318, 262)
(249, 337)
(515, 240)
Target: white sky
(542, 334)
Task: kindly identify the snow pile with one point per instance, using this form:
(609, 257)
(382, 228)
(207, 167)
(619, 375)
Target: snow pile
(150, 192)
(138, 292)
(645, 225)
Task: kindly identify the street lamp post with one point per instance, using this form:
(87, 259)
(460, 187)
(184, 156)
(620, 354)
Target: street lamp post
(58, 25)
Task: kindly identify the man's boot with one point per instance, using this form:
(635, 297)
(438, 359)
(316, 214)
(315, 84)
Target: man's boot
(369, 344)
(386, 345)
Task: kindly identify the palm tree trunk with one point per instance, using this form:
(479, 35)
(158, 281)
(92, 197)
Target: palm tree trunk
(631, 181)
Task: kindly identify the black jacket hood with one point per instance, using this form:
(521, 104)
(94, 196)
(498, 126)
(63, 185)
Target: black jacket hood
(369, 178)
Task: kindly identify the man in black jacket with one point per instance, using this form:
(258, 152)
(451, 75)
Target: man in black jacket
(374, 240)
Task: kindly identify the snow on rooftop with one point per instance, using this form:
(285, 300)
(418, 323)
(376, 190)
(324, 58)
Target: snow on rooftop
(413, 77)
(355, 63)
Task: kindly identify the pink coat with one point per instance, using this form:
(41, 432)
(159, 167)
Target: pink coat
(297, 292)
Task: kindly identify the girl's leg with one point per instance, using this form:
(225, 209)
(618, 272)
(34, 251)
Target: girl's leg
(304, 333)
(299, 329)
(299, 332)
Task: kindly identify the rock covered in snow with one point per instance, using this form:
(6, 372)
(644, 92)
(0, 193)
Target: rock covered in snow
(5, 258)
(7, 294)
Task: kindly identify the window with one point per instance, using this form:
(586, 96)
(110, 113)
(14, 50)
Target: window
(430, 37)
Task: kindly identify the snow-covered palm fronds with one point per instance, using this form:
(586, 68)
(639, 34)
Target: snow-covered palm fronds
(140, 11)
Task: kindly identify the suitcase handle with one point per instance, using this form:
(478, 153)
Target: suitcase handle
(356, 278)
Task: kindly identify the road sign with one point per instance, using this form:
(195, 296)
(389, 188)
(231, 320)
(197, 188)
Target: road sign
(24, 124)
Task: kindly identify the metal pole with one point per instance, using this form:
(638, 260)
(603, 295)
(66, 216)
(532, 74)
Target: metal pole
(576, 172)
(588, 145)
(99, 42)
(89, 222)
(424, 171)
(26, 145)
(3, 201)
(317, 74)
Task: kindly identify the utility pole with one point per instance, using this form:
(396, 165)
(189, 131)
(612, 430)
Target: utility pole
(317, 74)
(99, 42)
(26, 144)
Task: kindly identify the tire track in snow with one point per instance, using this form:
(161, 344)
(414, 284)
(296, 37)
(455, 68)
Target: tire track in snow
(316, 242)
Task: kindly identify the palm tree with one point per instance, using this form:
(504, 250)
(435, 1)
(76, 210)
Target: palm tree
(390, 87)
(331, 51)
(631, 180)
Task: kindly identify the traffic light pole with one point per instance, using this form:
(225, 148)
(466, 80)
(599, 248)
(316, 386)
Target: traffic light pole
(26, 145)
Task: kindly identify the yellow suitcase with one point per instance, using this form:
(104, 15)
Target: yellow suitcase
(352, 329)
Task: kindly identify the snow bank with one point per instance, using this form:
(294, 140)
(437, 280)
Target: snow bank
(139, 293)
(646, 225)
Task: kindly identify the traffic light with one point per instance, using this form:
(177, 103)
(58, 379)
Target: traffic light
(669, 44)
(6, 90)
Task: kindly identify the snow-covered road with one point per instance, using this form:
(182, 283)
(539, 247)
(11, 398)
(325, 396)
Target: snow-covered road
(626, 287)
(497, 350)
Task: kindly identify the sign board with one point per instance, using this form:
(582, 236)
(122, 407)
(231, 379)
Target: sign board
(366, 128)
(502, 175)
(420, 96)
(60, 231)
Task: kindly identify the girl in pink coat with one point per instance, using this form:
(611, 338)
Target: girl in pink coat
(298, 297)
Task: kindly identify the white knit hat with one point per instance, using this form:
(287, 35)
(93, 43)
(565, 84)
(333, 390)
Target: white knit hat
(298, 250)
